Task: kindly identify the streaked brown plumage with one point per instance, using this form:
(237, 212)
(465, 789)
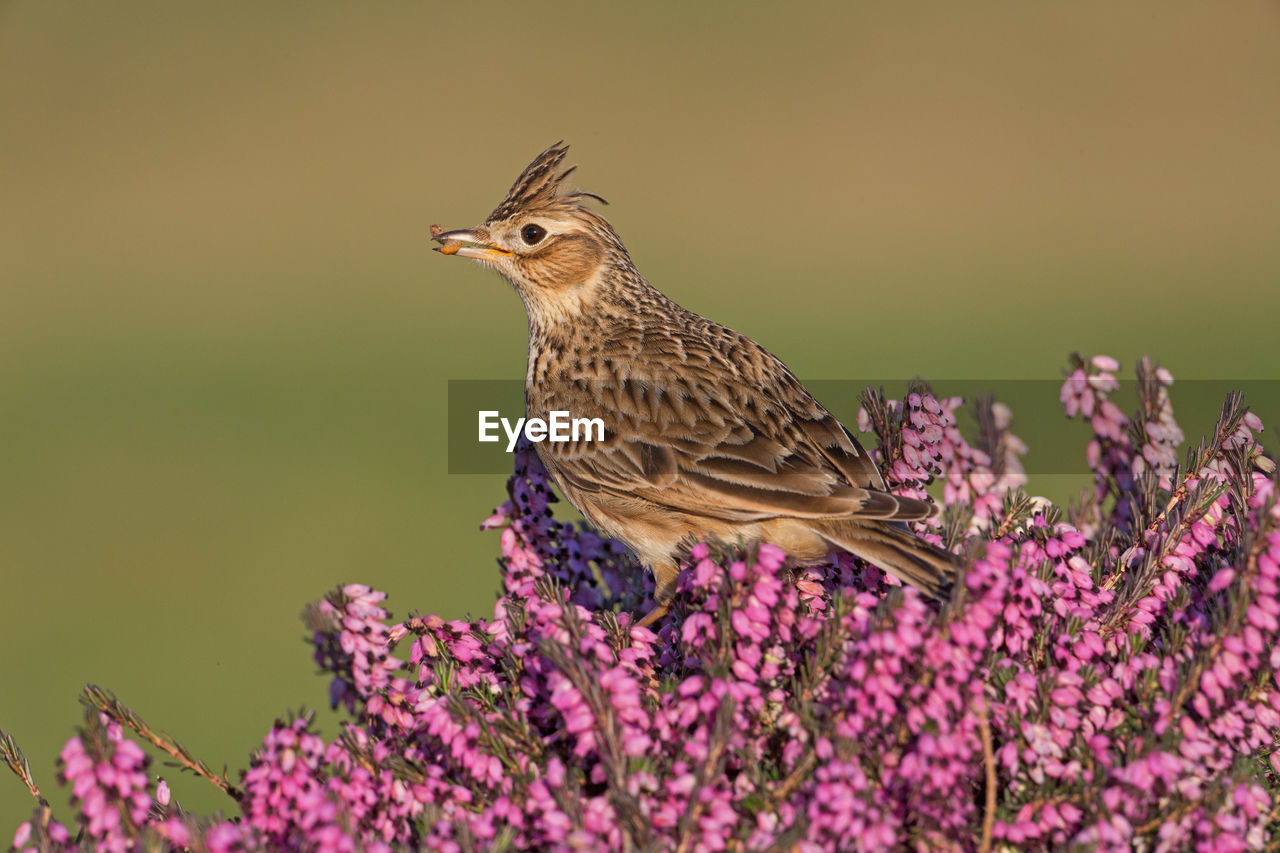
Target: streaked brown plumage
(708, 434)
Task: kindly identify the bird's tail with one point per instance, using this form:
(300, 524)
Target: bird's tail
(896, 550)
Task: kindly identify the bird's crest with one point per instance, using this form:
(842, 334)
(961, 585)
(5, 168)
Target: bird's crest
(540, 187)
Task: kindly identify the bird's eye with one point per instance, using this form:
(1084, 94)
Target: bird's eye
(532, 234)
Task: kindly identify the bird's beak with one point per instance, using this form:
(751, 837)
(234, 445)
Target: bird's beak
(466, 243)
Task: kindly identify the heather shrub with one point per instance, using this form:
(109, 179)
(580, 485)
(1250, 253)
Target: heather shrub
(1104, 677)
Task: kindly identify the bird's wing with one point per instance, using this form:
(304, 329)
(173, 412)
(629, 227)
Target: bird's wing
(730, 450)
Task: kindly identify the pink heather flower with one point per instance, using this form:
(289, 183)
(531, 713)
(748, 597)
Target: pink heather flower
(1105, 363)
(1121, 659)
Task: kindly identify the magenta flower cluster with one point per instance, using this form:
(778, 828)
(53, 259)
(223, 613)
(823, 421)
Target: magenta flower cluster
(1104, 679)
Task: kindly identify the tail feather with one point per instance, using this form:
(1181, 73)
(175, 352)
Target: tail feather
(883, 505)
(897, 551)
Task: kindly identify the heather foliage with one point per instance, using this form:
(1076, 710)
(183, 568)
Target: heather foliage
(1102, 678)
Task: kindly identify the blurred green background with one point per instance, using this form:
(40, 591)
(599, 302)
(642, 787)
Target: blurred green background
(224, 342)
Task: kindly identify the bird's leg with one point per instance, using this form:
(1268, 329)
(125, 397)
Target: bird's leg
(662, 609)
(665, 575)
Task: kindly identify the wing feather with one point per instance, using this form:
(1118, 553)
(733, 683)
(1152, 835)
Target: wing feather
(741, 451)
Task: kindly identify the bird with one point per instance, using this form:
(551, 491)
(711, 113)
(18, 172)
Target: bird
(708, 435)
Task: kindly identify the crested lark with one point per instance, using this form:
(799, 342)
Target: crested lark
(707, 433)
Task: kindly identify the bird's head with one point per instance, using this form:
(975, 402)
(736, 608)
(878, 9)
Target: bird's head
(543, 239)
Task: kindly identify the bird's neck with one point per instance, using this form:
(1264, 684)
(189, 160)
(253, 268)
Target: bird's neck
(570, 335)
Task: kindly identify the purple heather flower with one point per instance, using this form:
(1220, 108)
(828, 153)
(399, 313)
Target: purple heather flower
(1121, 667)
